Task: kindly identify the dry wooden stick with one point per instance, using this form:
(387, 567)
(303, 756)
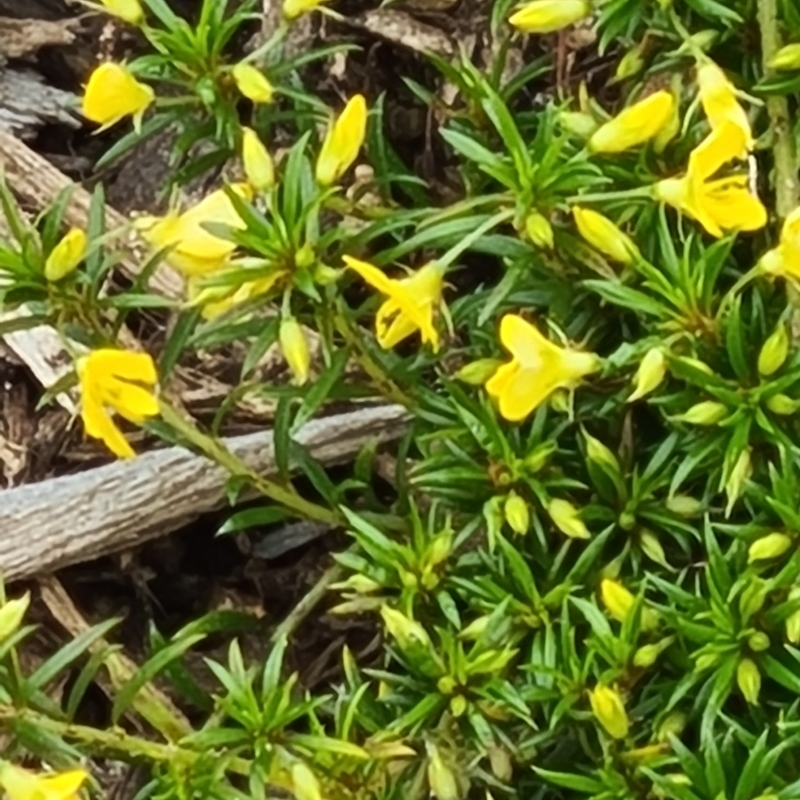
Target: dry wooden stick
(66, 520)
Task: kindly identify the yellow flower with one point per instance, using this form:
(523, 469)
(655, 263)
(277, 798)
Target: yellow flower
(635, 125)
(784, 260)
(343, 140)
(567, 519)
(296, 8)
(112, 93)
(66, 255)
(546, 16)
(410, 305)
(720, 204)
(602, 234)
(258, 166)
(129, 11)
(116, 381)
(609, 710)
(22, 784)
(295, 349)
(194, 249)
(538, 367)
(650, 374)
(718, 97)
(252, 83)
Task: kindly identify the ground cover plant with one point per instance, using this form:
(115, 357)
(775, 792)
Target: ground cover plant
(583, 566)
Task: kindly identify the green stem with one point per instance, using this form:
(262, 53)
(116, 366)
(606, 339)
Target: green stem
(217, 452)
(787, 189)
(643, 192)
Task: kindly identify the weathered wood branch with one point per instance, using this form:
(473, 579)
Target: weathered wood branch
(62, 521)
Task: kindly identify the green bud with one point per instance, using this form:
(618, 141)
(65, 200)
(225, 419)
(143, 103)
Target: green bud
(787, 58)
(493, 517)
(538, 457)
(441, 779)
(601, 455)
(325, 275)
(408, 633)
(770, 546)
(647, 655)
(476, 373)
(458, 705)
(500, 761)
(758, 642)
(539, 230)
(740, 474)
(751, 600)
(652, 371)
(517, 514)
(446, 684)
(673, 725)
(305, 257)
(578, 123)
(631, 63)
(782, 405)
(475, 629)
(748, 679)
(651, 547)
(304, 783)
(793, 620)
(709, 412)
(360, 584)
(702, 40)
(685, 506)
(774, 352)
(706, 661)
(12, 614)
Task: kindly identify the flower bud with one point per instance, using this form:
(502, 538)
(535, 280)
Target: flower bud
(774, 352)
(305, 784)
(631, 63)
(475, 629)
(740, 474)
(538, 457)
(793, 620)
(685, 506)
(500, 761)
(618, 601)
(706, 661)
(12, 614)
(252, 83)
(296, 8)
(325, 275)
(66, 255)
(129, 11)
(758, 642)
(342, 142)
(635, 125)
(258, 166)
(439, 549)
(539, 230)
(441, 779)
(579, 123)
(517, 514)
(547, 16)
(602, 234)
(358, 583)
(749, 680)
(709, 412)
(609, 710)
(476, 373)
(787, 58)
(647, 655)
(650, 374)
(770, 546)
(651, 547)
(601, 455)
(673, 725)
(458, 705)
(408, 632)
(752, 599)
(295, 349)
(782, 405)
(566, 518)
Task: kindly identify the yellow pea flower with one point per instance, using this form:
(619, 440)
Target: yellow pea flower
(252, 83)
(410, 305)
(635, 125)
(538, 367)
(194, 249)
(343, 140)
(295, 8)
(784, 260)
(722, 204)
(258, 165)
(116, 381)
(129, 11)
(718, 98)
(602, 234)
(652, 371)
(112, 93)
(295, 349)
(567, 519)
(546, 16)
(66, 255)
(22, 784)
(609, 710)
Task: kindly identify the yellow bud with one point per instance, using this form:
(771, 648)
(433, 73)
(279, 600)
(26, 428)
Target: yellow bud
(441, 779)
(579, 123)
(782, 404)
(617, 600)
(740, 474)
(539, 230)
(609, 710)
(66, 255)
(758, 642)
(602, 234)
(774, 352)
(793, 620)
(671, 128)
(685, 506)
(516, 513)
(458, 705)
(408, 632)
(787, 58)
(342, 141)
(129, 11)
(258, 166)
(296, 8)
(770, 546)
(635, 125)
(709, 412)
(12, 614)
(305, 784)
(673, 725)
(295, 349)
(252, 83)
(749, 680)
(646, 656)
(566, 518)
(597, 452)
(546, 16)
(113, 93)
(476, 373)
(650, 374)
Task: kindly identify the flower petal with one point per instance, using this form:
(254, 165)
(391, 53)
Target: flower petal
(724, 144)
(99, 425)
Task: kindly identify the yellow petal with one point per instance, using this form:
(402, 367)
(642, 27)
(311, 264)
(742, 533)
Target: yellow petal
(342, 141)
(295, 8)
(635, 125)
(732, 207)
(132, 402)
(519, 391)
(721, 146)
(129, 11)
(609, 711)
(113, 93)
(524, 341)
(23, 784)
(392, 326)
(718, 98)
(124, 364)
(98, 424)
